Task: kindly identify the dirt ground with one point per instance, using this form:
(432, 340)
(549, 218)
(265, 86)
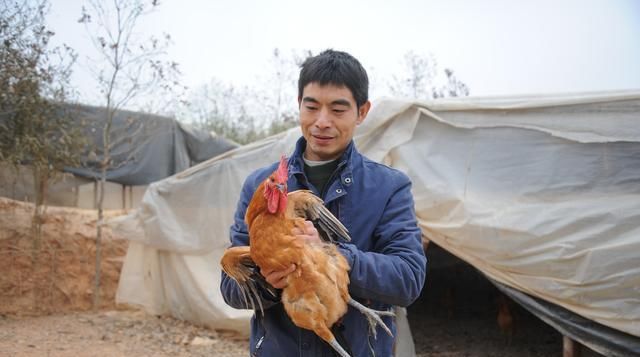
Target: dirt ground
(45, 303)
(113, 333)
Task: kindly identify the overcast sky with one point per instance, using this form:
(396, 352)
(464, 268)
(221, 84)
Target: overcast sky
(497, 47)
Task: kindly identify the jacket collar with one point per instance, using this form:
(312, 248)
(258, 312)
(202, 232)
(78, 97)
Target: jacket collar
(296, 163)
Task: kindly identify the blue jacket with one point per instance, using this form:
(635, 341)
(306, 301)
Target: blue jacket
(386, 257)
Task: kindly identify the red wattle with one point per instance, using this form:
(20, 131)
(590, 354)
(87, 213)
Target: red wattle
(272, 201)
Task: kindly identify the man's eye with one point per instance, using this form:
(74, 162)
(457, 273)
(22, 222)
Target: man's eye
(311, 108)
(339, 111)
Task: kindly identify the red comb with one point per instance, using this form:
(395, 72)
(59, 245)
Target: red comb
(282, 174)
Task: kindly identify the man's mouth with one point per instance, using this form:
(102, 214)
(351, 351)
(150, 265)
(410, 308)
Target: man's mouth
(322, 139)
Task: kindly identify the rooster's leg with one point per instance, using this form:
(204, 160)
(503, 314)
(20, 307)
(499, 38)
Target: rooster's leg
(324, 333)
(336, 346)
(373, 316)
(308, 312)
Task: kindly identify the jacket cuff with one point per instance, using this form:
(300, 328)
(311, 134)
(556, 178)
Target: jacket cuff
(348, 250)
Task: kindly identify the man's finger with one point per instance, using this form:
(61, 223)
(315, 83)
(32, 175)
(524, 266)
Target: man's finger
(277, 279)
(308, 225)
(279, 274)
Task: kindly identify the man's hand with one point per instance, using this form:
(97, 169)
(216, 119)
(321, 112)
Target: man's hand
(309, 233)
(278, 278)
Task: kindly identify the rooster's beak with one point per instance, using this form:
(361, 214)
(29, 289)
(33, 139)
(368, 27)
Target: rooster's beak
(281, 187)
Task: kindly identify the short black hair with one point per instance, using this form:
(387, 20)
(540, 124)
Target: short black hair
(337, 68)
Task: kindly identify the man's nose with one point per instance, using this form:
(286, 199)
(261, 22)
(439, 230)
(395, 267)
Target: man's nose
(323, 120)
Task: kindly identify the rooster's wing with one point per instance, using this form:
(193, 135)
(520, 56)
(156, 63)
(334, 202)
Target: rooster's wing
(304, 204)
(237, 263)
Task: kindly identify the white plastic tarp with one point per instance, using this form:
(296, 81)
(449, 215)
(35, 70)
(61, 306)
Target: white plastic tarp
(541, 193)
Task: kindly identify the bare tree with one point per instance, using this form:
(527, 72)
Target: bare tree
(281, 90)
(415, 82)
(34, 128)
(454, 87)
(245, 114)
(421, 79)
(222, 108)
(280, 87)
(130, 67)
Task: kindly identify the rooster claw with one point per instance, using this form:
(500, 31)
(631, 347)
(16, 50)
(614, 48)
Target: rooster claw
(339, 350)
(373, 316)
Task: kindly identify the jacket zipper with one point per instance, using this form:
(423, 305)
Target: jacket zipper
(258, 345)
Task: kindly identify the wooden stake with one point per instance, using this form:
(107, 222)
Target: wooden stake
(570, 348)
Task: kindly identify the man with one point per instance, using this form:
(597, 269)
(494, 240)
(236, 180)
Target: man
(373, 201)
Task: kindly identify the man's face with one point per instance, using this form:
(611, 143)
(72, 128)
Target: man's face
(328, 118)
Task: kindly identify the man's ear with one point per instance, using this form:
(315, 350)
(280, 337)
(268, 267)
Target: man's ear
(363, 111)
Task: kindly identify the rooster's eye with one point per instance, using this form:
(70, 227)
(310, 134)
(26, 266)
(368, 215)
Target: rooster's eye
(271, 179)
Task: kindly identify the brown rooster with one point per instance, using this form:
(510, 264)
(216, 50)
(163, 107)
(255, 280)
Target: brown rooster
(317, 292)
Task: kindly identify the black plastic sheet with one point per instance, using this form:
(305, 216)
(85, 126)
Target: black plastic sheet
(602, 339)
(144, 147)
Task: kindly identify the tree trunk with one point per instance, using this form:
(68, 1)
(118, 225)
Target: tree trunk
(40, 189)
(36, 222)
(101, 188)
(106, 161)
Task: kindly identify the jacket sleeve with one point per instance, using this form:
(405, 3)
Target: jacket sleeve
(394, 271)
(240, 237)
